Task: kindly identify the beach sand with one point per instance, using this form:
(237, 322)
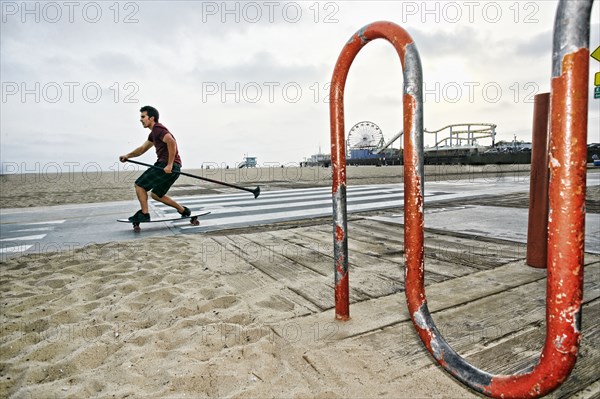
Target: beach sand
(121, 321)
(192, 317)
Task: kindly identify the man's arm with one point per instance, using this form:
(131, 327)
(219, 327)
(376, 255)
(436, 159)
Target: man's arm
(137, 152)
(172, 147)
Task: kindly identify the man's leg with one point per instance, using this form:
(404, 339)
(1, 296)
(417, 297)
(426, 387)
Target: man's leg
(142, 196)
(165, 199)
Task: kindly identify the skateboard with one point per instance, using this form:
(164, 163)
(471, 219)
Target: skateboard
(193, 220)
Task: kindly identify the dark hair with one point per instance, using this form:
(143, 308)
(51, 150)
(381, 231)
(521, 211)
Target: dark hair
(151, 111)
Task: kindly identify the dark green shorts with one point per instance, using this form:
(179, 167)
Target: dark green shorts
(157, 180)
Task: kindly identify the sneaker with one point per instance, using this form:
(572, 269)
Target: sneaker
(186, 212)
(140, 217)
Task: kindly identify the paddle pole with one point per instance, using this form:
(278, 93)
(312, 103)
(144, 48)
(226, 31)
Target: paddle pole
(256, 191)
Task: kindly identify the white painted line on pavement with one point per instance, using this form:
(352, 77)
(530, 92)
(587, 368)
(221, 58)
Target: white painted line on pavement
(275, 199)
(32, 230)
(284, 215)
(46, 222)
(13, 250)
(25, 238)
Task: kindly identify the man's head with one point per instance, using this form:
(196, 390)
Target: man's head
(148, 116)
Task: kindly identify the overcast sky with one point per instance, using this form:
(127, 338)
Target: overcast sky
(239, 78)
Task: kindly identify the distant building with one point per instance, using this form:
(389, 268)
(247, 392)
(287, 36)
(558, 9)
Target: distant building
(511, 146)
(317, 160)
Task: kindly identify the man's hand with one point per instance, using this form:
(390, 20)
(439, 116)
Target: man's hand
(123, 158)
(168, 169)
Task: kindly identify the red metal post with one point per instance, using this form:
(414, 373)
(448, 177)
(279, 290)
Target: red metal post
(413, 123)
(567, 161)
(566, 217)
(537, 227)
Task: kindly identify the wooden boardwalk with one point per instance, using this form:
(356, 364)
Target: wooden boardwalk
(488, 304)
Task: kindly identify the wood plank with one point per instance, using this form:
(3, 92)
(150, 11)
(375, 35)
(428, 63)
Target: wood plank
(232, 254)
(516, 353)
(382, 312)
(469, 246)
(360, 258)
(220, 260)
(361, 266)
(305, 256)
(391, 253)
(306, 253)
(304, 282)
(356, 252)
(587, 392)
(509, 316)
(501, 333)
(465, 251)
(364, 283)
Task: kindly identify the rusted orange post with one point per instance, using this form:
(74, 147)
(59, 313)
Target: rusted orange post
(567, 160)
(566, 218)
(413, 123)
(537, 226)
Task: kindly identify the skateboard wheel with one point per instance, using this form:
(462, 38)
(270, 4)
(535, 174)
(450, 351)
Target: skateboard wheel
(195, 221)
(136, 227)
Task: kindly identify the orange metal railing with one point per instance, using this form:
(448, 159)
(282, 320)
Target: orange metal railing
(413, 126)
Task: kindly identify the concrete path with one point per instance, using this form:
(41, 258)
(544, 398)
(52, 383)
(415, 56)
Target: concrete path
(60, 228)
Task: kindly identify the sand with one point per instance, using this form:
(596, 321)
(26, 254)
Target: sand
(119, 320)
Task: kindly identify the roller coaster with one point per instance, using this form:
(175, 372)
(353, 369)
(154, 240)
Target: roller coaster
(454, 144)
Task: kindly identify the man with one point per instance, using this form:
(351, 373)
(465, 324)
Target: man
(159, 181)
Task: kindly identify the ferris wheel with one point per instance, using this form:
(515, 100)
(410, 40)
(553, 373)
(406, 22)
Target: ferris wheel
(366, 135)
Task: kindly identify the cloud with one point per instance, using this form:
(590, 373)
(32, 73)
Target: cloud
(535, 47)
(166, 53)
(117, 62)
(262, 66)
(463, 39)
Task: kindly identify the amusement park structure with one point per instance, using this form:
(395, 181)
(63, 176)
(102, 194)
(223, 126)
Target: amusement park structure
(364, 141)
(460, 143)
(456, 143)
(467, 133)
